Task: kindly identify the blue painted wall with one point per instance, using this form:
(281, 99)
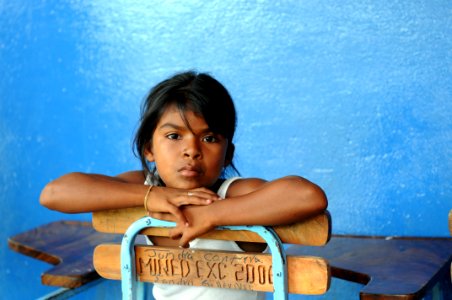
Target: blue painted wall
(353, 95)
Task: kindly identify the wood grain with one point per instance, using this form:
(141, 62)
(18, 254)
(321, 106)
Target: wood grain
(314, 231)
(249, 271)
(67, 244)
(450, 221)
(389, 267)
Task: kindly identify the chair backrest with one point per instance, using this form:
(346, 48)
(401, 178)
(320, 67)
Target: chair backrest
(211, 268)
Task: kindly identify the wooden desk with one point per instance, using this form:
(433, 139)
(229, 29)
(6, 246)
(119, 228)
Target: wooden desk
(450, 230)
(450, 221)
(397, 268)
(68, 245)
(390, 268)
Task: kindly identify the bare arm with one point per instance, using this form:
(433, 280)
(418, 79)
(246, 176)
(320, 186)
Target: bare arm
(80, 192)
(256, 202)
(282, 201)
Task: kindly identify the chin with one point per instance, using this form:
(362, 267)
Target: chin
(187, 184)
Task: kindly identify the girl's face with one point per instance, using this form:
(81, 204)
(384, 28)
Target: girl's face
(186, 157)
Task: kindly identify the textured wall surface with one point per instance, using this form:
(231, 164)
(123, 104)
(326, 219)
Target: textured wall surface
(355, 96)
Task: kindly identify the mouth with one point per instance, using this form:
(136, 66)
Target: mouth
(190, 171)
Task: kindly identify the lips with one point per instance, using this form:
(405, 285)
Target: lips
(190, 171)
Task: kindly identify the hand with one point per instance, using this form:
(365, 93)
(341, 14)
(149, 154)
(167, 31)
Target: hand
(164, 203)
(198, 225)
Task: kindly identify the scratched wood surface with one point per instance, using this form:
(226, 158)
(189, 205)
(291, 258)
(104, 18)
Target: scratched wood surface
(67, 244)
(390, 268)
(249, 271)
(315, 231)
(450, 230)
(450, 221)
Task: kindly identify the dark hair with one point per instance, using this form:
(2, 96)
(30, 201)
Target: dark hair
(189, 91)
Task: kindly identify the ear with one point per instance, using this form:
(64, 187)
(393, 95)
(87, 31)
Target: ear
(148, 153)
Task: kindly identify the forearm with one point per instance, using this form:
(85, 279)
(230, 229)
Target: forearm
(283, 201)
(78, 192)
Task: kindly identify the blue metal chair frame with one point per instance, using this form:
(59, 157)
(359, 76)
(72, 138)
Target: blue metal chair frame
(134, 289)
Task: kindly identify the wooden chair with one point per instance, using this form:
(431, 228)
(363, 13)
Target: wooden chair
(209, 268)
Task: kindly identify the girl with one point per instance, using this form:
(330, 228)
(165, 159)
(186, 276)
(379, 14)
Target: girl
(185, 143)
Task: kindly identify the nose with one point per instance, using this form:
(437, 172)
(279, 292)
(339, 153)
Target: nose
(192, 149)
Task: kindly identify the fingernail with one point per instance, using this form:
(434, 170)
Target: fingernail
(186, 224)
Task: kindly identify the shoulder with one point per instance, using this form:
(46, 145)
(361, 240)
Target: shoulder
(244, 186)
(132, 177)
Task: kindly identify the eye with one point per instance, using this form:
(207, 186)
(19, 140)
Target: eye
(210, 139)
(173, 136)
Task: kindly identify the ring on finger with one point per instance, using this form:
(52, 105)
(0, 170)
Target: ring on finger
(189, 194)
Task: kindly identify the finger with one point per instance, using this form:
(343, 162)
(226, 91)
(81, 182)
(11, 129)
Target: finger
(185, 238)
(183, 242)
(185, 246)
(176, 232)
(193, 200)
(206, 191)
(177, 213)
(196, 198)
(202, 194)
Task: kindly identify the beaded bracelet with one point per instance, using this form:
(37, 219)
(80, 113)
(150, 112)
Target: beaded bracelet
(146, 197)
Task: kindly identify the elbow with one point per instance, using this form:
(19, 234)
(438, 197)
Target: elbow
(319, 198)
(54, 195)
(47, 197)
(315, 198)
(312, 199)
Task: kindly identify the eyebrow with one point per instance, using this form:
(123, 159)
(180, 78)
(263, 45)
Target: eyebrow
(171, 125)
(177, 127)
